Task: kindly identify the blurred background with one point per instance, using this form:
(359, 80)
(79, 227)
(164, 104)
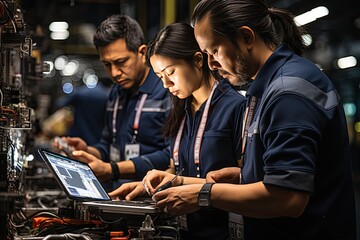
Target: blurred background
(62, 31)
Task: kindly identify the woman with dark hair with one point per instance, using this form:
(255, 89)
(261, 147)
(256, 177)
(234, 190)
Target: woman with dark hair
(205, 125)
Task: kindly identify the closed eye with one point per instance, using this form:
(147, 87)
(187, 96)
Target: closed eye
(169, 74)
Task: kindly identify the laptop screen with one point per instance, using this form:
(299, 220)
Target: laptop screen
(76, 178)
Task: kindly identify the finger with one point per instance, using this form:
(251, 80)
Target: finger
(139, 190)
(147, 182)
(118, 192)
(72, 141)
(209, 178)
(160, 198)
(146, 188)
(84, 156)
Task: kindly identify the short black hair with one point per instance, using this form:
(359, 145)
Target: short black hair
(119, 26)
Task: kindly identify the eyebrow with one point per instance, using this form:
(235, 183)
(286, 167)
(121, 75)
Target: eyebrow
(116, 60)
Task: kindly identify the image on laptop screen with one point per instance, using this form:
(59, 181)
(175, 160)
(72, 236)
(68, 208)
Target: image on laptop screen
(77, 179)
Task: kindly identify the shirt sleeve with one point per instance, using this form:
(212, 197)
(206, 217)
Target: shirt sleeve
(291, 132)
(156, 160)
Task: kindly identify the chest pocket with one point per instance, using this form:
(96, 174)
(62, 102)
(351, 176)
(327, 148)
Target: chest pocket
(217, 150)
(217, 141)
(221, 133)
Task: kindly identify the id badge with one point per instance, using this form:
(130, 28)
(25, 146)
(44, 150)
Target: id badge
(236, 226)
(114, 153)
(132, 150)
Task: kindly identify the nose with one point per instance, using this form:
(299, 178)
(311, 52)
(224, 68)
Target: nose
(116, 71)
(167, 82)
(213, 64)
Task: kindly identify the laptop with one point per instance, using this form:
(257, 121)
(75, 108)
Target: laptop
(80, 184)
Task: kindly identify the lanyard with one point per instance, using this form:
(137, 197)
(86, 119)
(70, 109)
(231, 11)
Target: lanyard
(199, 134)
(140, 105)
(248, 118)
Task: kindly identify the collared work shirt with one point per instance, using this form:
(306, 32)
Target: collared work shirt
(298, 141)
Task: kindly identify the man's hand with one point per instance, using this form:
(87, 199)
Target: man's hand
(224, 175)
(101, 169)
(129, 191)
(179, 200)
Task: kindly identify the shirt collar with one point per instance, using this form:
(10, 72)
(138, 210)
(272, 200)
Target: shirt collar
(277, 59)
(220, 90)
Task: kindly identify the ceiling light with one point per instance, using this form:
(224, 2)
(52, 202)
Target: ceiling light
(311, 16)
(58, 26)
(59, 35)
(346, 62)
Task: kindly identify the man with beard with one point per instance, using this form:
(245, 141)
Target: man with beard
(295, 176)
(137, 106)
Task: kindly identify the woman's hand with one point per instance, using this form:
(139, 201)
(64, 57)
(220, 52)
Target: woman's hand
(128, 191)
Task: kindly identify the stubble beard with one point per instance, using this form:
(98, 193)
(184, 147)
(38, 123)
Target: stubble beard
(241, 70)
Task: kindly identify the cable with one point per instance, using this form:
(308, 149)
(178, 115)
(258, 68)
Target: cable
(111, 222)
(36, 214)
(164, 237)
(167, 228)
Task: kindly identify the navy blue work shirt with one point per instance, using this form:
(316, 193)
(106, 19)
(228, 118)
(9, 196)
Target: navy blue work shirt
(154, 148)
(299, 141)
(220, 148)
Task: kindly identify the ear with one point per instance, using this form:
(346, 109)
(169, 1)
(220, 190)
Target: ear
(198, 60)
(247, 36)
(142, 50)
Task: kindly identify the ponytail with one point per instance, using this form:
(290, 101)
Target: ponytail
(288, 32)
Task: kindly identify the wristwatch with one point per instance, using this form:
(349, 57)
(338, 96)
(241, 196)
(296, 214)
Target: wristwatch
(204, 199)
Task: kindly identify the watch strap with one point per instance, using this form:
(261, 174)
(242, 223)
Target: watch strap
(206, 188)
(115, 171)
